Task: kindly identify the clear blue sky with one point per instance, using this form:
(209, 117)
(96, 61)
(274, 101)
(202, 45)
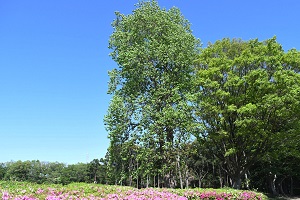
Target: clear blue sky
(54, 63)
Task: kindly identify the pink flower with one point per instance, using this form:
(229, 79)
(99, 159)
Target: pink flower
(5, 196)
(39, 191)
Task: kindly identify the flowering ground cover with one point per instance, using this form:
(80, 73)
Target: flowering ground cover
(29, 191)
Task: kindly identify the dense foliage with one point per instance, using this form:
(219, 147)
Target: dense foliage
(185, 116)
(28, 191)
(148, 118)
(248, 101)
(53, 172)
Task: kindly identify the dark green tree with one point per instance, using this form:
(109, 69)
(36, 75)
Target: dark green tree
(18, 171)
(53, 171)
(93, 170)
(102, 175)
(3, 170)
(74, 173)
(36, 172)
(278, 170)
(247, 99)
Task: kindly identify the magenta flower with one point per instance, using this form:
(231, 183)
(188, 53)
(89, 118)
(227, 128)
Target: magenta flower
(5, 195)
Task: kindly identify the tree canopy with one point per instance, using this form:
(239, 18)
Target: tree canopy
(181, 113)
(154, 49)
(247, 99)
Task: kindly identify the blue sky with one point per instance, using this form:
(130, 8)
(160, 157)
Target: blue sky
(54, 63)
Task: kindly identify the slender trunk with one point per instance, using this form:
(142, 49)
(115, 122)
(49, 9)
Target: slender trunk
(220, 177)
(280, 186)
(130, 180)
(237, 181)
(214, 175)
(272, 180)
(137, 177)
(292, 188)
(199, 183)
(147, 185)
(142, 183)
(186, 180)
(201, 177)
(130, 169)
(162, 179)
(179, 173)
(227, 180)
(175, 182)
(247, 181)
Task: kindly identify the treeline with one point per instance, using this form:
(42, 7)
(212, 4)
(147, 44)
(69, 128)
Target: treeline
(186, 116)
(279, 176)
(275, 175)
(54, 172)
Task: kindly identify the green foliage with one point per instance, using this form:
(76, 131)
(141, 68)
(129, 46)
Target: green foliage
(3, 170)
(238, 99)
(74, 173)
(18, 171)
(148, 114)
(247, 99)
(54, 172)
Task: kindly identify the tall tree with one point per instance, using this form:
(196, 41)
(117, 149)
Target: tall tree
(154, 49)
(247, 100)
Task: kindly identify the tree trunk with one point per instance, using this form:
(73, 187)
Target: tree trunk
(130, 180)
(95, 178)
(220, 177)
(179, 173)
(227, 180)
(186, 179)
(292, 188)
(137, 178)
(201, 177)
(200, 181)
(280, 186)
(247, 181)
(272, 180)
(147, 184)
(237, 181)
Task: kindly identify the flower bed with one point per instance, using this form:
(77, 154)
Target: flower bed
(29, 191)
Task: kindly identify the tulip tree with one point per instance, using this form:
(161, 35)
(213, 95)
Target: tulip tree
(247, 99)
(154, 49)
